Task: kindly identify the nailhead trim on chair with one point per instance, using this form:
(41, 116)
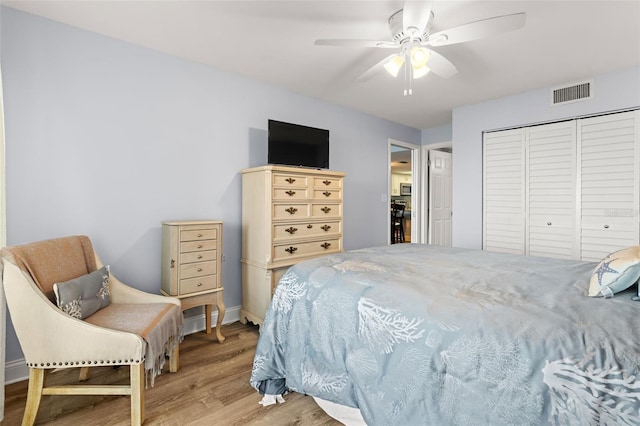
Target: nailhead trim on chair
(72, 363)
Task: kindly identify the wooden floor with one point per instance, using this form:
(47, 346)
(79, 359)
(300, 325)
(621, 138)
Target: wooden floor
(211, 388)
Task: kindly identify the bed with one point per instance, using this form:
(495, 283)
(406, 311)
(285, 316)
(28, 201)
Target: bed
(412, 334)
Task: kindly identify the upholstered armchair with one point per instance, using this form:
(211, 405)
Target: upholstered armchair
(129, 327)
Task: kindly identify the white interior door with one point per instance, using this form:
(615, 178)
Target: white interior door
(440, 198)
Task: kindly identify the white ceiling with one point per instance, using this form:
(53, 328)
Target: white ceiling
(273, 41)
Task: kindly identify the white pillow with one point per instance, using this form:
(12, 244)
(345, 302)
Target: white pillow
(616, 272)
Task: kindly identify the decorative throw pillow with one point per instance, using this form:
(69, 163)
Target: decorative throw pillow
(85, 295)
(616, 272)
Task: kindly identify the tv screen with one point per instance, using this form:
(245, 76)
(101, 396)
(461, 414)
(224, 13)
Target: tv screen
(296, 145)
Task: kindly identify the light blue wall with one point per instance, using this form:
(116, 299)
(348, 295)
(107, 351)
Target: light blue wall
(615, 91)
(437, 134)
(109, 139)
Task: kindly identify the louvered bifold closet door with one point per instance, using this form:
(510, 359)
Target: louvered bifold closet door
(503, 191)
(551, 190)
(609, 162)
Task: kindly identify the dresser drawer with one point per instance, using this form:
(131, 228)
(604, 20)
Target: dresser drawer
(198, 245)
(291, 211)
(197, 269)
(198, 234)
(301, 230)
(326, 210)
(327, 182)
(191, 285)
(290, 194)
(286, 180)
(309, 249)
(327, 194)
(197, 256)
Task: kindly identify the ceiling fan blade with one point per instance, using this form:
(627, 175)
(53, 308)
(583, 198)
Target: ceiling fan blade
(478, 29)
(337, 42)
(440, 65)
(371, 72)
(415, 16)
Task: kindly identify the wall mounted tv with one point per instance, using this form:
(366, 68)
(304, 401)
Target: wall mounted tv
(297, 145)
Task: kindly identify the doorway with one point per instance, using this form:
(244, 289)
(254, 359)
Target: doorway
(437, 165)
(404, 192)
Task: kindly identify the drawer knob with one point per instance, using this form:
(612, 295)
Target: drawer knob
(290, 180)
(291, 249)
(199, 284)
(199, 235)
(290, 193)
(309, 226)
(291, 210)
(199, 269)
(199, 245)
(326, 193)
(325, 245)
(326, 209)
(291, 230)
(199, 256)
(548, 223)
(326, 182)
(606, 227)
(325, 228)
(173, 263)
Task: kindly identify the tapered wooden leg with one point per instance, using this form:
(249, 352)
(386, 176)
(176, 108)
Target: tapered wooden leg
(84, 374)
(34, 394)
(137, 394)
(207, 318)
(174, 360)
(221, 312)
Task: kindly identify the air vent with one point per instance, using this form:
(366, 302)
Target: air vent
(574, 93)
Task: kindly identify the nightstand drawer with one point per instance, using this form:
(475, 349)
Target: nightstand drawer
(198, 256)
(191, 285)
(198, 269)
(198, 234)
(198, 245)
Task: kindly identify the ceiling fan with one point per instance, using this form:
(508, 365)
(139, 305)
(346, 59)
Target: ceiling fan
(411, 33)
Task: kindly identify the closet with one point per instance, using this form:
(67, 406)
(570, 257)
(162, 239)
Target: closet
(567, 190)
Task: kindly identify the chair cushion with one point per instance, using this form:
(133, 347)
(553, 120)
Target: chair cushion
(85, 295)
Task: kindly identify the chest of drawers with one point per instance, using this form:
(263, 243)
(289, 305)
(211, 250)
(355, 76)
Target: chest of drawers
(289, 214)
(191, 266)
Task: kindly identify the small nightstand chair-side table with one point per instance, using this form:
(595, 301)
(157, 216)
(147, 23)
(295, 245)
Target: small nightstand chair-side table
(192, 266)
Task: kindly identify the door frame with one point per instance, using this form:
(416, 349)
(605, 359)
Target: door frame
(424, 168)
(417, 221)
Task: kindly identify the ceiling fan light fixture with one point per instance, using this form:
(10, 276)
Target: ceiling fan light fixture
(394, 64)
(420, 71)
(419, 56)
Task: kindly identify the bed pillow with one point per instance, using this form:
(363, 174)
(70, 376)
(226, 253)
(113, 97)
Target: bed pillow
(616, 272)
(85, 295)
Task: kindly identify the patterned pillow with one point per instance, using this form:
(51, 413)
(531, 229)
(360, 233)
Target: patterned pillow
(85, 295)
(616, 272)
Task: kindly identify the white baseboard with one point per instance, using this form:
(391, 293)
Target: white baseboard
(17, 370)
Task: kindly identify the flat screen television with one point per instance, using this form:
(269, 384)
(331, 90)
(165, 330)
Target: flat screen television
(297, 145)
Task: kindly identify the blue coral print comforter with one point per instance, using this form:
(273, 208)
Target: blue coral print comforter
(423, 335)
